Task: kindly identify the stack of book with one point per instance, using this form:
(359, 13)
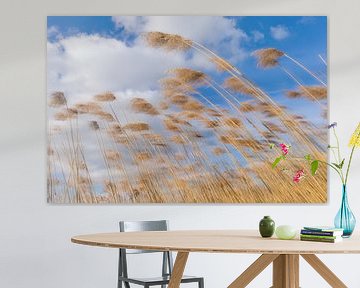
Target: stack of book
(321, 234)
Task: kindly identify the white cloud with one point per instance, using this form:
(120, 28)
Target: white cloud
(85, 65)
(279, 32)
(131, 24)
(307, 20)
(53, 32)
(257, 35)
(216, 32)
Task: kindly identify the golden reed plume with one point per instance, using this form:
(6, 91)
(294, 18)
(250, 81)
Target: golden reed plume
(167, 41)
(143, 106)
(268, 57)
(239, 85)
(312, 93)
(57, 99)
(105, 97)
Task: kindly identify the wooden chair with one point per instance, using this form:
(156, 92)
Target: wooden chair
(167, 262)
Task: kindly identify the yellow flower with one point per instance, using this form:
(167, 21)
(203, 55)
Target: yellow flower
(355, 138)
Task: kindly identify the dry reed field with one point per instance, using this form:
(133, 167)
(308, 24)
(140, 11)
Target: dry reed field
(187, 148)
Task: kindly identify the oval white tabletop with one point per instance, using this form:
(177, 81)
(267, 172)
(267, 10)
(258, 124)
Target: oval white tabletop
(216, 241)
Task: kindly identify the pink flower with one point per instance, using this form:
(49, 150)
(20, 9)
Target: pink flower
(298, 175)
(284, 148)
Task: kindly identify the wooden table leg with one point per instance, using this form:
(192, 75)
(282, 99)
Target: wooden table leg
(293, 264)
(324, 271)
(178, 270)
(253, 270)
(286, 271)
(279, 269)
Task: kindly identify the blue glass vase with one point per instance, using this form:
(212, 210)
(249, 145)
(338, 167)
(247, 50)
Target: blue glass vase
(345, 219)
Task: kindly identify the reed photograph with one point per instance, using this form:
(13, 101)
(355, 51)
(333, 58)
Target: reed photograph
(186, 109)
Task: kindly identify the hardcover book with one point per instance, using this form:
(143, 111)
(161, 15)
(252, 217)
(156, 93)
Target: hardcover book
(321, 233)
(323, 228)
(325, 240)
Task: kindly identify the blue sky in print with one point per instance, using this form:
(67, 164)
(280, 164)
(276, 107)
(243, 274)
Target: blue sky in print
(304, 38)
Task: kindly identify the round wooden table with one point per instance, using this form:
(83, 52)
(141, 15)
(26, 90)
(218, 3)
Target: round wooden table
(284, 254)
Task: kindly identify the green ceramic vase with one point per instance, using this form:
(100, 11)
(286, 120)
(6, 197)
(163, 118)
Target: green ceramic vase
(267, 227)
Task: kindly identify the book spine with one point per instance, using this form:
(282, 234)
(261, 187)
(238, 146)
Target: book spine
(319, 233)
(317, 240)
(318, 236)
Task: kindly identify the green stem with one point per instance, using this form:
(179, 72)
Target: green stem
(336, 169)
(348, 167)
(326, 163)
(337, 144)
(339, 154)
(335, 157)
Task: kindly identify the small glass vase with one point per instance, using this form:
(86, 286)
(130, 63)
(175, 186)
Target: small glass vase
(345, 219)
(266, 227)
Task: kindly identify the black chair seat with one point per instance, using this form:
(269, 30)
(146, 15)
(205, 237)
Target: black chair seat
(158, 280)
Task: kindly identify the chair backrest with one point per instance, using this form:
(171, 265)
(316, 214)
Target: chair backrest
(138, 226)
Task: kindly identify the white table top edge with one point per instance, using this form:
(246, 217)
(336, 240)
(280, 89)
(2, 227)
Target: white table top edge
(216, 241)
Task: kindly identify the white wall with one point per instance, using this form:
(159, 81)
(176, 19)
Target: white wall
(35, 248)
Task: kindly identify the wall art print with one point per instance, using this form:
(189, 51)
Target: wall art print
(180, 109)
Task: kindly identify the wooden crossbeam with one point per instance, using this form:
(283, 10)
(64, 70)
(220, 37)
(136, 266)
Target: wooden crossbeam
(324, 271)
(178, 270)
(253, 270)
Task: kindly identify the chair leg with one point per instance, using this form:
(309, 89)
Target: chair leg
(165, 265)
(201, 283)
